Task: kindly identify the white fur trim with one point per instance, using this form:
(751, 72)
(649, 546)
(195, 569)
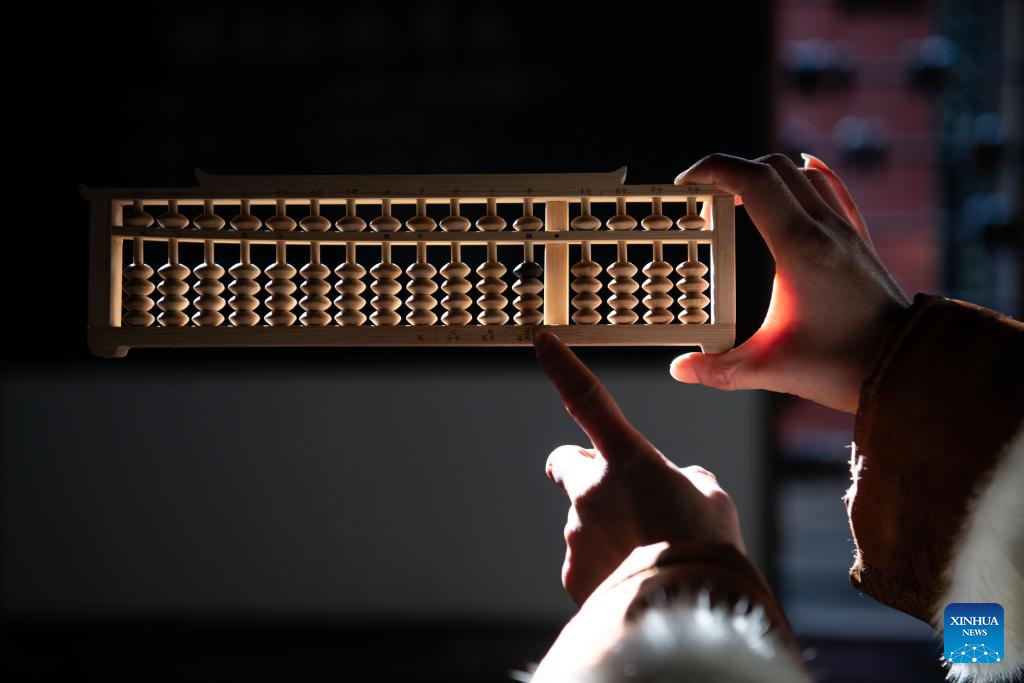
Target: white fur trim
(988, 565)
(693, 641)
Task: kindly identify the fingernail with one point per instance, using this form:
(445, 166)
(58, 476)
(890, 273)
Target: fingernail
(681, 176)
(682, 371)
(810, 158)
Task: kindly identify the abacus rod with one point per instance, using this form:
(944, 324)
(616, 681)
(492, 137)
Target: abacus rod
(137, 249)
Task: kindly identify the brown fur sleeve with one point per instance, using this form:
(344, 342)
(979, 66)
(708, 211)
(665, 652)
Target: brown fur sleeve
(944, 397)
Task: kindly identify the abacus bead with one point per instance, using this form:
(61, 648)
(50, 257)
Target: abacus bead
(622, 287)
(244, 288)
(172, 220)
(421, 224)
(693, 300)
(208, 221)
(691, 221)
(491, 301)
(528, 270)
(315, 223)
(586, 285)
(209, 288)
(694, 316)
(527, 223)
(455, 224)
(657, 285)
(385, 286)
(349, 288)
(421, 287)
(692, 269)
(350, 224)
(656, 221)
(491, 223)
(621, 222)
(246, 221)
(385, 224)
(280, 287)
(585, 222)
(528, 286)
(280, 222)
(136, 218)
(173, 288)
(456, 302)
(456, 273)
(315, 287)
(137, 289)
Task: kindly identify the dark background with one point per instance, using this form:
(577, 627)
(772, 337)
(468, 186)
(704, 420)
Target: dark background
(228, 513)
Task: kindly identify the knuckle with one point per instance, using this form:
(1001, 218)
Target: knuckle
(815, 176)
(590, 505)
(552, 465)
(568, 574)
(777, 160)
(697, 469)
(720, 498)
(765, 175)
(713, 158)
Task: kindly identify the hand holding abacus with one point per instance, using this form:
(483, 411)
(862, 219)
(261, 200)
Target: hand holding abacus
(832, 298)
(624, 493)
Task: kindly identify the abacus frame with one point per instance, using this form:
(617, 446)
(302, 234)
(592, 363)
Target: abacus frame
(107, 337)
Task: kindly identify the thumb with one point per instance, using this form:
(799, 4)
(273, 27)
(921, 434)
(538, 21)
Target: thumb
(726, 371)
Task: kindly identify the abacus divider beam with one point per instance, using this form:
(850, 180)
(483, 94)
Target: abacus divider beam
(723, 261)
(556, 266)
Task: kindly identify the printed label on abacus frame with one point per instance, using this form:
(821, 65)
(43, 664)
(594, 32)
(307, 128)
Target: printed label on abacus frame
(973, 633)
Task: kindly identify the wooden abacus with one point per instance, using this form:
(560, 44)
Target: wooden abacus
(122, 298)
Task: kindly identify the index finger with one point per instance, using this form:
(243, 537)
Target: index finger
(586, 399)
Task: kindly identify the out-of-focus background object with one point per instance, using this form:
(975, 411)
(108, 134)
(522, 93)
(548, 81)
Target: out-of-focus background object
(916, 105)
(324, 514)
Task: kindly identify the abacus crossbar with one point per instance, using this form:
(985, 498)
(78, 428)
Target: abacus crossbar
(550, 230)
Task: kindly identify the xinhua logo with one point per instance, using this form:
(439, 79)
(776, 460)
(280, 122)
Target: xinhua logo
(973, 633)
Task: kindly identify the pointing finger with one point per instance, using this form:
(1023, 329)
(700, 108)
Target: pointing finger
(586, 399)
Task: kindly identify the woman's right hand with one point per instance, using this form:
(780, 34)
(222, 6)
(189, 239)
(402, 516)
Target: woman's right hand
(832, 298)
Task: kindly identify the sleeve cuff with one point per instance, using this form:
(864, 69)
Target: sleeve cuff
(944, 398)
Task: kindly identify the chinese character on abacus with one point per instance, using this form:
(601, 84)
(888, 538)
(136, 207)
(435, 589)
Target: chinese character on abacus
(571, 270)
